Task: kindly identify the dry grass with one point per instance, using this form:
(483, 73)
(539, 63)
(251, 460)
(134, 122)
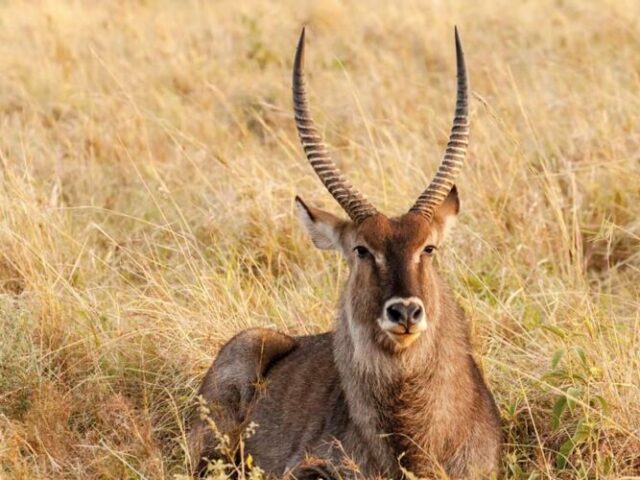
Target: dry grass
(148, 164)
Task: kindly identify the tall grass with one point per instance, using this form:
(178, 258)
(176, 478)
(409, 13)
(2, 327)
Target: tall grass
(148, 164)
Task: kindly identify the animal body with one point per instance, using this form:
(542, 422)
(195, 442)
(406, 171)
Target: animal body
(393, 387)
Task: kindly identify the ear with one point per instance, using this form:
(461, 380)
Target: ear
(325, 228)
(447, 213)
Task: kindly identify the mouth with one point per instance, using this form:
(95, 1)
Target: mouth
(402, 334)
(403, 338)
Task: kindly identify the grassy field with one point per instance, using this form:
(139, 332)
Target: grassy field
(148, 165)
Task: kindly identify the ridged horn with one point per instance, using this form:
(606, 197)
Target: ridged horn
(456, 150)
(352, 201)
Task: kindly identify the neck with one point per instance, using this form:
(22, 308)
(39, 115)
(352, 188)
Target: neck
(396, 398)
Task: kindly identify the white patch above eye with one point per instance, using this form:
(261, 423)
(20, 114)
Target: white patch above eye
(377, 257)
(432, 239)
(437, 236)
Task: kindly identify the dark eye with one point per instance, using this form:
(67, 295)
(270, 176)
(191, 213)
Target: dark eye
(362, 251)
(429, 250)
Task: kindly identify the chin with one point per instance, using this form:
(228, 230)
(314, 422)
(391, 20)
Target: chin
(396, 343)
(404, 340)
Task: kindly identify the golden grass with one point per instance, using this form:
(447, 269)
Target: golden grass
(148, 164)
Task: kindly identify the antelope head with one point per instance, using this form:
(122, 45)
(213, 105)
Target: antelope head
(392, 293)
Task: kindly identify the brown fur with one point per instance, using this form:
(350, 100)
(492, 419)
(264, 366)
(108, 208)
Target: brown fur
(353, 402)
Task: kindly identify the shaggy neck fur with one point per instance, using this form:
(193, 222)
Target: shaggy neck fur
(404, 403)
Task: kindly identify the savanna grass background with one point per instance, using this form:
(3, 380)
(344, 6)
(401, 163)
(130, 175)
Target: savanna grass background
(148, 164)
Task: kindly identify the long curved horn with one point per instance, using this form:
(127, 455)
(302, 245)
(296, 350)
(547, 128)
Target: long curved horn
(352, 201)
(456, 149)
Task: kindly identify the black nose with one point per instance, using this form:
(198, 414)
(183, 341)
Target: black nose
(404, 313)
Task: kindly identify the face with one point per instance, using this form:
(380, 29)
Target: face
(392, 288)
(390, 265)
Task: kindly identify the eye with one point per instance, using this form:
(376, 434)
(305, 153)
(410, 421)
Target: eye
(362, 252)
(429, 250)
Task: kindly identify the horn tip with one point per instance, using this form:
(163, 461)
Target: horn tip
(303, 34)
(458, 41)
(299, 60)
(462, 73)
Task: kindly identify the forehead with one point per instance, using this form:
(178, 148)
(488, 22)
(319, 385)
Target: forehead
(408, 232)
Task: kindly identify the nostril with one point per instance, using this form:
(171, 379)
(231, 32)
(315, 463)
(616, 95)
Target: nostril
(405, 313)
(395, 314)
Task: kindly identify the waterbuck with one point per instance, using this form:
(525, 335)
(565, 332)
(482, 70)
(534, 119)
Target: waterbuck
(394, 387)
